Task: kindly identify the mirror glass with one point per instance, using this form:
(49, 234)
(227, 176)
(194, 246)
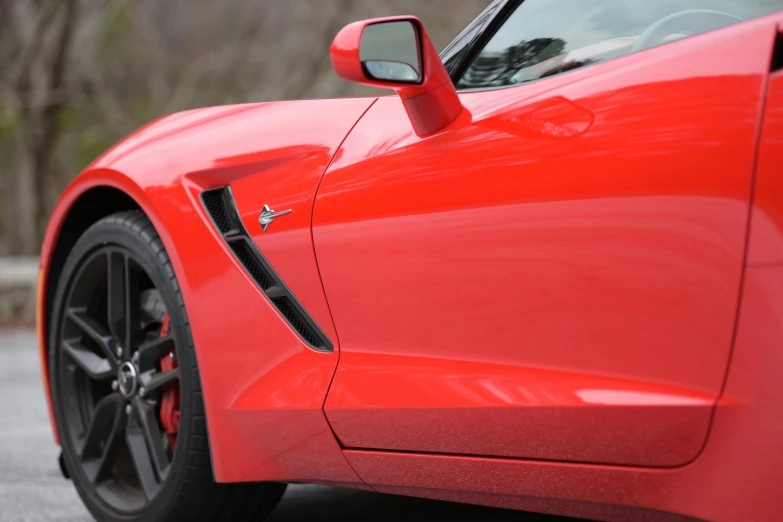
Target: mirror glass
(389, 52)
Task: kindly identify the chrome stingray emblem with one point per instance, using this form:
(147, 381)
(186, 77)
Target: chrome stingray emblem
(268, 215)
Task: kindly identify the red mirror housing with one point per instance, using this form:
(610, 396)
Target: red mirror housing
(432, 105)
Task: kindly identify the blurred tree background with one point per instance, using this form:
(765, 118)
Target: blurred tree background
(78, 75)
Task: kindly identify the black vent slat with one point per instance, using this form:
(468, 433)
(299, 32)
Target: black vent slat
(232, 234)
(219, 204)
(276, 291)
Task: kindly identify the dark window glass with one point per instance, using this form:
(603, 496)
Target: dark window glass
(453, 53)
(546, 37)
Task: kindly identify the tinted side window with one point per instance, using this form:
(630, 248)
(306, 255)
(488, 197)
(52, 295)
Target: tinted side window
(546, 37)
(453, 53)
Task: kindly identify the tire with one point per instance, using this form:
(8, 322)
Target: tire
(89, 400)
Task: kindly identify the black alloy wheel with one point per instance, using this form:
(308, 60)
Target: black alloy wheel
(109, 364)
(126, 393)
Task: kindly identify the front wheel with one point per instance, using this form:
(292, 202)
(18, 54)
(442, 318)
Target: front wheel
(126, 389)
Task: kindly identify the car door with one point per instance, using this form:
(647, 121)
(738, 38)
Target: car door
(556, 275)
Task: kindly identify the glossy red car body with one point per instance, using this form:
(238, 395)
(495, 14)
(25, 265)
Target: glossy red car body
(569, 300)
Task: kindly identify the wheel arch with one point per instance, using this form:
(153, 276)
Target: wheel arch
(94, 195)
(91, 206)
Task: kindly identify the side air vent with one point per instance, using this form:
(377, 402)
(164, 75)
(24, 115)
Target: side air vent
(219, 204)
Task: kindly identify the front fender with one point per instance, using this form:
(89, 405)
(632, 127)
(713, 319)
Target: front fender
(263, 387)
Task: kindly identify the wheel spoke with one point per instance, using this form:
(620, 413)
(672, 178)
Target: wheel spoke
(100, 429)
(152, 351)
(99, 469)
(132, 304)
(149, 426)
(94, 331)
(115, 297)
(142, 461)
(96, 368)
(161, 381)
(123, 299)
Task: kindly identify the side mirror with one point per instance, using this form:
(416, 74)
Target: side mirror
(396, 53)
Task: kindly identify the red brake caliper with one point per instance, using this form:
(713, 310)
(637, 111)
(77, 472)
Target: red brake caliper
(169, 402)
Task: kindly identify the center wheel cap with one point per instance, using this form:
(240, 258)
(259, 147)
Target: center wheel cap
(128, 379)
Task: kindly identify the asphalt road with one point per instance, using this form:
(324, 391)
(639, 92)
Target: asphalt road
(32, 489)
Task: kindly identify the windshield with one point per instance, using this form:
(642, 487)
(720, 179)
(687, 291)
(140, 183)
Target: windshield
(546, 37)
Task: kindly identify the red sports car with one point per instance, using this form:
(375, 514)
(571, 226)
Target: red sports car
(548, 275)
